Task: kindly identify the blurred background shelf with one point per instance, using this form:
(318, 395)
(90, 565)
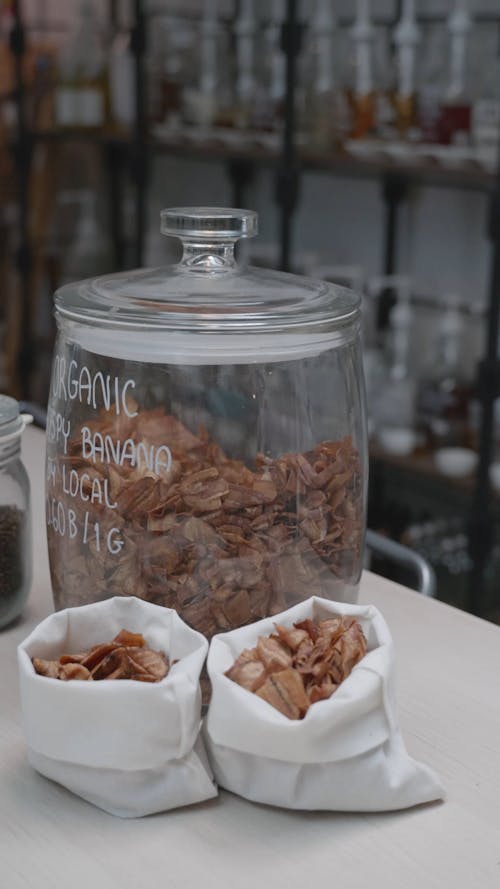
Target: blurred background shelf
(246, 146)
(54, 230)
(343, 164)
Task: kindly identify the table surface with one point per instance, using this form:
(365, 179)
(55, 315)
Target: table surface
(448, 683)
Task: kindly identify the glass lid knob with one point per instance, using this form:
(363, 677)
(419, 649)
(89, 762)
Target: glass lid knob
(209, 223)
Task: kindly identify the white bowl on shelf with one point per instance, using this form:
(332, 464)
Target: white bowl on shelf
(398, 441)
(455, 462)
(401, 151)
(365, 148)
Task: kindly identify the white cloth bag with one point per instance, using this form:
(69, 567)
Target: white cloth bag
(347, 754)
(131, 748)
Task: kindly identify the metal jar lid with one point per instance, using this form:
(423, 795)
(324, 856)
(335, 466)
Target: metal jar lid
(12, 422)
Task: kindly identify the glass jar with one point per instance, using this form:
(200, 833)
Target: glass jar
(15, 520)
(206, 442)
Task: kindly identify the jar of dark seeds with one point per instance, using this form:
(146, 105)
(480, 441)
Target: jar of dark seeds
(15, 522)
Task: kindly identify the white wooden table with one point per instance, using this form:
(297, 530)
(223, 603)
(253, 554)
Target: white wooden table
(449, 701)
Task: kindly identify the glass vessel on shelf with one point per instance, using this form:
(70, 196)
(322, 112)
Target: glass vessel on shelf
(208, 446)
(455, 115)
(431, 79)
(270, 84)
(245, 86)
(445, 392)
(406, 38)
(200, 103)
(392, 405)
(385, 78)
(171, 64)
(15, 519)
(361, 94)
(326, 117)
(82, 95)
(485, 123)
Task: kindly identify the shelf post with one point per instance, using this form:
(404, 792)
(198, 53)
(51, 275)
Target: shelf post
(481, 536)
(287, 176)
(241, 173)
(394, 191)
(139, 156)
(116, 158)
(22, 160)
(115, 155)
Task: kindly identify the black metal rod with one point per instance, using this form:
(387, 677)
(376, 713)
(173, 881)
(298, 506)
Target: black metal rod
(394, 188)
(287, 175)
(139, 146)
(480, 526)
(114, 158)
(22, 161)
(241, 174)
(115, 164)
(390, 245)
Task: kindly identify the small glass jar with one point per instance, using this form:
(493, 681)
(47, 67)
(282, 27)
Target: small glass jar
(206, 441)
(15, 519)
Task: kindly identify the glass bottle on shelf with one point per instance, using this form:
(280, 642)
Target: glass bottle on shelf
(173, 51)
(384, 76)
(82, 92)
(121, 81)
(200, 102)
(362, 92)
(431, 81)
(444, 391)
(65, 106)
(406, 38)
(485, 124)
(393, 395)
(15, 519)
(326, 113)
(88, 252)
(455, 114)
(155, 60)
(178, 58)
(270, 89)
(245, 86)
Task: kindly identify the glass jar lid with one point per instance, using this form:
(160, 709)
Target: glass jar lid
(208, 291)
(12, 422)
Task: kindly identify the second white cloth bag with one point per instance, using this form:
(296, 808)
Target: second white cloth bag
(347, 754)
